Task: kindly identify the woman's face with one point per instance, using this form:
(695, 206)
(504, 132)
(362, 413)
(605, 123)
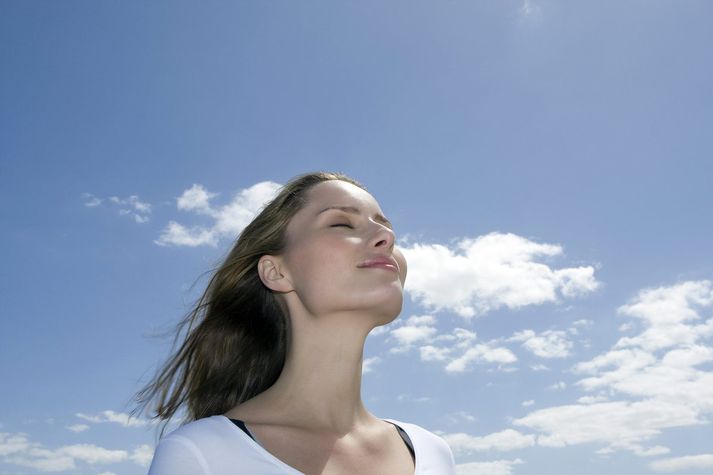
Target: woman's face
(340, 254)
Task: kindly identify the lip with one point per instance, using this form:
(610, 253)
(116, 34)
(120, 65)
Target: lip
(387, 263)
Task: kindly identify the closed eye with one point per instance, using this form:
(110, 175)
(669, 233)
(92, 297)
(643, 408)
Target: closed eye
(337, 225)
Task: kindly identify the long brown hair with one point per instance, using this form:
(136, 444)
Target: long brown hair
(237, 333)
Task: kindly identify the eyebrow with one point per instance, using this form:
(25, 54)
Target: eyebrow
(380, 218)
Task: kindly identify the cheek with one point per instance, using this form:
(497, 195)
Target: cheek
(318, 263)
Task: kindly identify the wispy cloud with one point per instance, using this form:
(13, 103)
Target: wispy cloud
(78, 427)
(505, 440)
(548, 344)
(530, 10)
(495, 467)
(131, 206)
(13, 443)
(123, 419)
(142, 455)
(460, 416)
(687, 462)
(91, 201)
(410, 398)
(496, 270)
(460, 349)
(227, 221)
(415, 329)
(368, 364)
(619, 424)
(17, 449)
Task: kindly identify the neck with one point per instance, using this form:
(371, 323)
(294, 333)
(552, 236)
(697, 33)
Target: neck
(320, 384)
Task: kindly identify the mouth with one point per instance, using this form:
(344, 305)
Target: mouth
(386, 263)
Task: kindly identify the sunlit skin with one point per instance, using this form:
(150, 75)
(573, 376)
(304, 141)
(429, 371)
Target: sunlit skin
(340, 276)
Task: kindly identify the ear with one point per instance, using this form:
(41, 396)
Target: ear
(269, 268)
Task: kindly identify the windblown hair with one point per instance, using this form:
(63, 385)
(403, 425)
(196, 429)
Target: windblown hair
(238, 332)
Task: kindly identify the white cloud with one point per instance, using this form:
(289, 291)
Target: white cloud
(651, 451)
(481, 353)
(132, 206)
(410, 398)
(625, 327)
(548, 344)
(42, 460)
(530, 11)
(13, 443)
(619, 424)
(415, 329)
(92, 454)
(456, 417)
(669, 316)
(142, 455)
(120, 418)
(91, 201)
(458, 351)
(227, 221)
(197, 199)
(495, 467)
(432, 353)
(662, 362)
(369, 363)
(683, 463)
(505, 440)
(425, 320)
(658, 375)
(17, 449)
(78, 427)
(489, 272)
(539, 367)
(592, 399)
(176, 234)
(578, 326)
(528, 403)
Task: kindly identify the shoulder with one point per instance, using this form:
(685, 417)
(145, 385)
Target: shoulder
(431, 450)
(198, 447)
(199, 432)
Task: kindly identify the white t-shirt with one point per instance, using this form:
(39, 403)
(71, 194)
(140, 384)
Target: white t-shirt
(216, 446)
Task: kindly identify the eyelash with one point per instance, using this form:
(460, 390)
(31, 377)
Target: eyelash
(342, 224)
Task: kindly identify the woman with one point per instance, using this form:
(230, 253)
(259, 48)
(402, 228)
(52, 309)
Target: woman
(271, 373)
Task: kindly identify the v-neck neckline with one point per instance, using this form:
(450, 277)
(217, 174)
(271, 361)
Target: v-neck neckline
(272, 458)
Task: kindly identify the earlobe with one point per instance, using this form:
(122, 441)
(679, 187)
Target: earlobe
(268, 268)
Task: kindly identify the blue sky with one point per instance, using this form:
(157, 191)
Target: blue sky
(546, 164)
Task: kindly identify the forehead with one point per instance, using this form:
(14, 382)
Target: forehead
(340, 193)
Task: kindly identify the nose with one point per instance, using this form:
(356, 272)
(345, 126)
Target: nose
(383, 237)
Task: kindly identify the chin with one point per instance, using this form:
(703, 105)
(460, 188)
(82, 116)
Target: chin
(389, 311)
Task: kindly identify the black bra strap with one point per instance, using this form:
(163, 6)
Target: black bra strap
(241, 424)
(406, 439)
